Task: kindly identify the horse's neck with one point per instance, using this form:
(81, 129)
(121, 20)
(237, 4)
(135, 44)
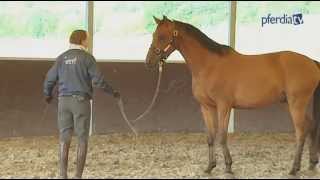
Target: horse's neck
(194, 54)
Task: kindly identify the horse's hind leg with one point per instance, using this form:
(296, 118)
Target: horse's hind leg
(298, 107)
(210, 118)
(313, 149)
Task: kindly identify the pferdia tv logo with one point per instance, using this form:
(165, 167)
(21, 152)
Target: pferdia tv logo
(294, 19)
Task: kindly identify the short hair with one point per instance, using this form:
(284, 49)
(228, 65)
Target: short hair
(78, 36)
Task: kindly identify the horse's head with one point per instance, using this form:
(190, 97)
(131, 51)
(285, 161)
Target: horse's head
(163, 42)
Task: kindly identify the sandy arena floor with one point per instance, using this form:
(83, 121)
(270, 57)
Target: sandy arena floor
(154, 156)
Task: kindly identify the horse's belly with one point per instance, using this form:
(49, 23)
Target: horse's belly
(259, 97)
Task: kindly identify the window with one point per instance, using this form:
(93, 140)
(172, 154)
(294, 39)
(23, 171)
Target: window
(123, 30)
(38, 29)
(274, 26)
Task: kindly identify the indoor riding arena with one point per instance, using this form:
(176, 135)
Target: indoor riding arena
(201, 89)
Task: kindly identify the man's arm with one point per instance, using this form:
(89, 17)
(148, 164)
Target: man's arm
(98, 78)
(51, 79)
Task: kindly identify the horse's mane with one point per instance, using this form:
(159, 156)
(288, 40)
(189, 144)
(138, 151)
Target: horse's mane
(203, 39)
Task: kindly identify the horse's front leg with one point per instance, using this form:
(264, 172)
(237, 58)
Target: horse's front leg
(210, 119)
(223, 118)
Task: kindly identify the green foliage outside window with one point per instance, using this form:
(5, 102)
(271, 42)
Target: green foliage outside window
(52, 19)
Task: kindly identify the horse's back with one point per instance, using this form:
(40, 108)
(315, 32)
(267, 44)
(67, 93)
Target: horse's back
(284, 64)
(259, 80)
(294, 71)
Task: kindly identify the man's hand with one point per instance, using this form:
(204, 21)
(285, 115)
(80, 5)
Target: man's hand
(48, 99)
(116, 95)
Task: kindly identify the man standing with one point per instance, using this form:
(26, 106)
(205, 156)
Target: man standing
(75, 71)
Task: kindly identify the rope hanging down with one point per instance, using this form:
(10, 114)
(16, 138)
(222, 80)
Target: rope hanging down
(121, 106)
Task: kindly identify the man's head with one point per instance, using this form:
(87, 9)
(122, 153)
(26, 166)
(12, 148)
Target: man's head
(79, 37)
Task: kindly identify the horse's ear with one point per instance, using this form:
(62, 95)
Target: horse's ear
(165, 18)
(156, 20)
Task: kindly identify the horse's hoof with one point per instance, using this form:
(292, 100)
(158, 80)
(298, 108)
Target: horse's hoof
(209, 169)
(293, 172)
(292, 177)
(228, 171)
(312, 167)
(229, 176)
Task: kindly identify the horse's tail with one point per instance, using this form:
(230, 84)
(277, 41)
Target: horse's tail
(316, 113)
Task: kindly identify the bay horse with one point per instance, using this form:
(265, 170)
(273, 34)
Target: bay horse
(223, 78)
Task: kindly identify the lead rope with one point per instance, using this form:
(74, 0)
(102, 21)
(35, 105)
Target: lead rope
(121, 106)
(154, 96)
(44, 113)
